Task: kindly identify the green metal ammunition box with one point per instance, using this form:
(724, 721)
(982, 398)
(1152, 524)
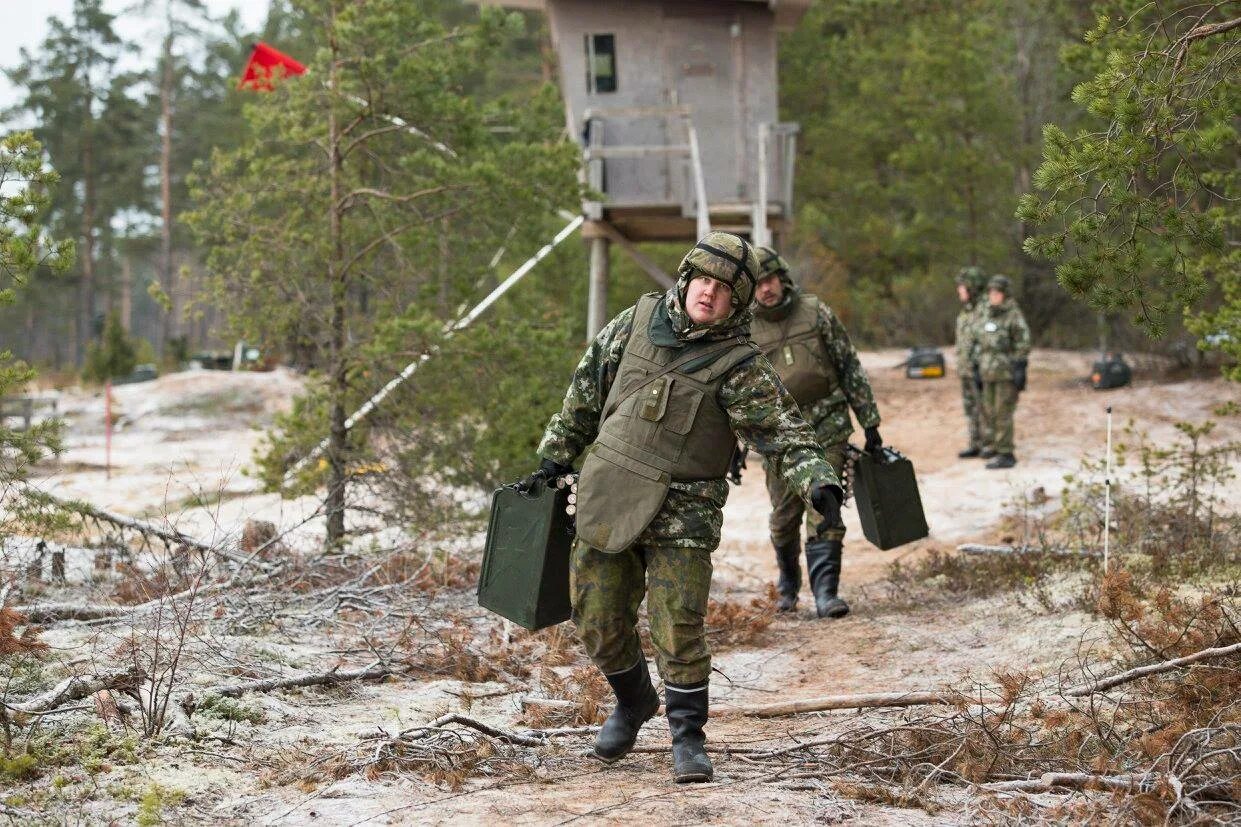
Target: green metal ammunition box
(886, 492)
(525, 573)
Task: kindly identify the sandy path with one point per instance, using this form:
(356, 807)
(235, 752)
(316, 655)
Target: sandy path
(167, 458)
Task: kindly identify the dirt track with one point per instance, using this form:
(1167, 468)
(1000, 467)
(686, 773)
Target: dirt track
(874, 649)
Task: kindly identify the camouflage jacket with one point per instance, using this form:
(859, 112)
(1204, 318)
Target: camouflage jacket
(760, 410)
(967, 337)
(830, 415)
(1003, 338)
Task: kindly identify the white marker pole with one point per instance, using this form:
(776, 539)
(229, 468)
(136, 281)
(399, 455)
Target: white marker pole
(1107, 492)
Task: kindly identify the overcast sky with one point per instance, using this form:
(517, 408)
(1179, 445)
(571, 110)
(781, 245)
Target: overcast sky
(24, 24)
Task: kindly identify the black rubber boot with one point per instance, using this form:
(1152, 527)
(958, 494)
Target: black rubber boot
(970, 452)
(1002, 461)
(788, 559)
(687, 715)
(636, 703)
(823, 562)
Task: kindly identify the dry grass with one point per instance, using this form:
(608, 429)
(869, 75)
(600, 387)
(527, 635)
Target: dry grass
(732, 623)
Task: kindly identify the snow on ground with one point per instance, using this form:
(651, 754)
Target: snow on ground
(183, 444)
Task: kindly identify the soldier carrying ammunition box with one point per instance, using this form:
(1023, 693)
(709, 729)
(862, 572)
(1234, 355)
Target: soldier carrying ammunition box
(811, 351)
(654, 408)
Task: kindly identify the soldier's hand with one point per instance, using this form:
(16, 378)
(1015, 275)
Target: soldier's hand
(873, 441)
(547, 471)
(736, 464)
(977, 378)
(1019, 374)
(826, 500)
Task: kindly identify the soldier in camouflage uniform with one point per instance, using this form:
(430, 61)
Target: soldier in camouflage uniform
(656, 404)
(971, 285)
(809, 348)
(1003, 353)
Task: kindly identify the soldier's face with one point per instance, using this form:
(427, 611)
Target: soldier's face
(996, 297)
(708, 301)
(963, 293)
(769, 291)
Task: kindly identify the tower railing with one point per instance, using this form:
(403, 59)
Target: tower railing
(596, 152)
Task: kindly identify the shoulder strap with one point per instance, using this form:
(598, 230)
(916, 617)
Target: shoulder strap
(694, 354)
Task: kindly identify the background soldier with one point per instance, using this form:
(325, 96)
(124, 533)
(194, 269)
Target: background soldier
(809, 348)
(660, 397)
(971, 284)
(1003, 354)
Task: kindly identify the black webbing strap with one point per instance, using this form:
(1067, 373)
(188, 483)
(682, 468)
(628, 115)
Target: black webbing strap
(740, 262)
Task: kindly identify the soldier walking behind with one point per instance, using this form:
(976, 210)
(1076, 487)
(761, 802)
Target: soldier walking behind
(1003, 355)
(811, 351)
(971, 285)
(657, 403)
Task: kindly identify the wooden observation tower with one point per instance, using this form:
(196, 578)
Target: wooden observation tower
(674, 103)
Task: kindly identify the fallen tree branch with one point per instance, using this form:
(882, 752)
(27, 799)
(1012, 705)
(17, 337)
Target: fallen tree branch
(52, 612)
(171, 536)
(13, 812)
(981, 548)
(1151, 669)
(867, 700)
(332, 678)
(76, 688)
(485, 729)
(1070, 780)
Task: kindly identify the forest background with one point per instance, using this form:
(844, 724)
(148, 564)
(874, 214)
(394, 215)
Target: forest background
(934, 135)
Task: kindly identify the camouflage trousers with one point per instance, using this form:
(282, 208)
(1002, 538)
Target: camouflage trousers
(607, 589)
(787, 507)
(999, 403)
(971, 401)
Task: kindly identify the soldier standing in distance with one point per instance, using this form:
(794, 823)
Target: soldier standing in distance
(810, 349)
(971, 284)
(1003, 355)
(657, 403)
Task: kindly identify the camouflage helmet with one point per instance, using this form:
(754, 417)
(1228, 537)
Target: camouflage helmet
(1001, 283)
(973, 278)
(728, 258)
(770, 263)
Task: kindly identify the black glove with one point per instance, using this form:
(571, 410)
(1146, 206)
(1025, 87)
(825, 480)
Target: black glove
(977, 378)
(1019, 374)
(547, 471)
(826, 500)
(736, 464)
(873, 441)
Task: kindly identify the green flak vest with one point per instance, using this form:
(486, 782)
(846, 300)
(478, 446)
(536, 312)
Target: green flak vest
(662, 421)
(797, 352)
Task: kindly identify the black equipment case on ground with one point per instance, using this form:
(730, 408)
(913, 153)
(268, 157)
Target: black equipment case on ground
(525, 573)
(924, 363)
(1110, 372)
(886, 492)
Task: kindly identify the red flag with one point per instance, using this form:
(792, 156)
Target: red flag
(265, 65)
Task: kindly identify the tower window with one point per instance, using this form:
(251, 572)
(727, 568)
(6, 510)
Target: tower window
(600, 63)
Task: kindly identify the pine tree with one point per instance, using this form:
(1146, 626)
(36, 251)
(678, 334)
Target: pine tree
(91, 126)
(1140, 208)
(326, 222)
(25, 249)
